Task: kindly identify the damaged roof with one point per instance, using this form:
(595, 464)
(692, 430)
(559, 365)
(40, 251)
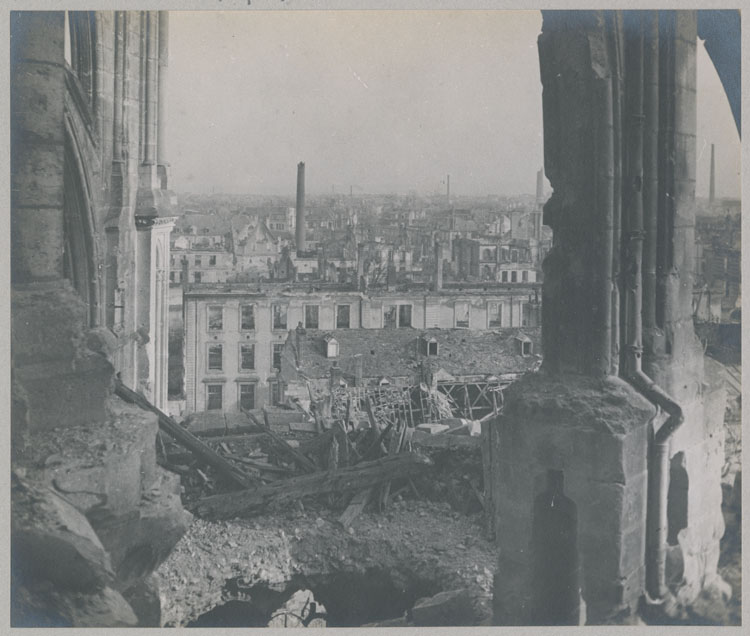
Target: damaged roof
(397, 352)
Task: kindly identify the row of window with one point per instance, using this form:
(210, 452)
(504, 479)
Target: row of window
(246, 397)
(514, 276)
(215, 358)
(394, 316)
(278, 317)
(198, 260)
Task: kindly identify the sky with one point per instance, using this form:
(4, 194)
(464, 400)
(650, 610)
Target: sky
(376, 101)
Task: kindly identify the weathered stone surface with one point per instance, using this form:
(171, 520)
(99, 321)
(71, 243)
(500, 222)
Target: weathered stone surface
(45, 605)
(52, 541)
(65, 382)
(144, 598)
(139, 541)
(133, 512)
(445, 608)
(595, 432)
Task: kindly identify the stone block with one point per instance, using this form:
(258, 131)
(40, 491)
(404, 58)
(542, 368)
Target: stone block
(66, 399)
(52, 541)
(138, 541)
(600, 509)
(37, 239)
(37, 104)
(38, 35)
(599, 556)
(511, 600)
(635, 501)
(47, 324)
(635, 451)
(37, 181)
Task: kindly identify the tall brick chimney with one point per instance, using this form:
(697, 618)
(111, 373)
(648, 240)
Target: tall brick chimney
(360, 266)
(300, 210)
(438, 281)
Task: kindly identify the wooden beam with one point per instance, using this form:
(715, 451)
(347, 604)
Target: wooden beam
(355, 507)
(281, 443)
(289, 490)
(187, 439)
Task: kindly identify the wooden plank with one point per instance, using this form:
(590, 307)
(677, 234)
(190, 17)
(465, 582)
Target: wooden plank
(364, 475)
(281, 443)
(371, 415)
(467, 402)
(355, 507)
(235, 431)
(425, 440)
(260, 465)
(305, 427)
(187, 439)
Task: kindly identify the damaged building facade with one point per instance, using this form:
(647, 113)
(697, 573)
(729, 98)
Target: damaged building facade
(235, 336)
(91, 214)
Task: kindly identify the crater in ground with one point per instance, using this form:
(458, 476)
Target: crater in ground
(241, 573)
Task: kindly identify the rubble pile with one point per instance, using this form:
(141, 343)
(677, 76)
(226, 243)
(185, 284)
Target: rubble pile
(415, 550)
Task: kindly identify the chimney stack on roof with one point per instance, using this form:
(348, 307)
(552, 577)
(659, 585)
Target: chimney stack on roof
(438, 282)
(300, 210)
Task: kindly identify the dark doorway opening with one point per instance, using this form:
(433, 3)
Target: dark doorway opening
(556, 597)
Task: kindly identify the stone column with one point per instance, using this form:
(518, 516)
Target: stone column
(37, 145)
(599, 101)
(159, 308)
(161, 143)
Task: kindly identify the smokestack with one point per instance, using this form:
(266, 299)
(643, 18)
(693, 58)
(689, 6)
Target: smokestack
(438, 282)
(300, 230)
(448, 190)
(540, 186)
(712, 181)
(360, 265)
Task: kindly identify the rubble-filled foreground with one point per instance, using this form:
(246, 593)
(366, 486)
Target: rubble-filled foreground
(415, 550)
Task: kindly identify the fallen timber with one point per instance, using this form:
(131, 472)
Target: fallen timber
(363, 475)
(187, 439)
(281, 443)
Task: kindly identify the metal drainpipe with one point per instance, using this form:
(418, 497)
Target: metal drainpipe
(658, 457)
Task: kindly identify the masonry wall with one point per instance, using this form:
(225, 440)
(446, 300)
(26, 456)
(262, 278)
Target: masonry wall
(595, 433)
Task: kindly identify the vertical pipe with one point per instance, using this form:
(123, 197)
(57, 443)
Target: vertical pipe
(161, 138)
(151, 87)
(604, 209)
(650, 173)
(616, 61)
(118, 86)
(634, 238)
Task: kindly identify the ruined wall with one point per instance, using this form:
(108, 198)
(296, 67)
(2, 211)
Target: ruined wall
(619, 126)
(595, 433)
(92, 515)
